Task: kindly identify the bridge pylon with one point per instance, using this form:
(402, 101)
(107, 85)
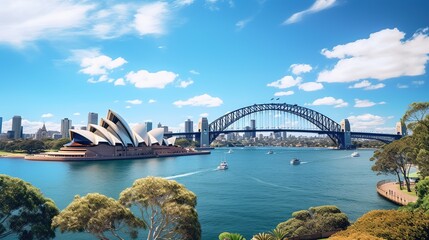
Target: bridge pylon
(345, 141)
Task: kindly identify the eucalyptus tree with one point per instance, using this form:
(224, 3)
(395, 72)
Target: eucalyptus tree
(24, 212)
(98, 215)
(166, 207)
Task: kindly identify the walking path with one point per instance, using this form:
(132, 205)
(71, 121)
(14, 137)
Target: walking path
(390, 190)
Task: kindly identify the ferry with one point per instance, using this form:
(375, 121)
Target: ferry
(355, 154)
(223, 165)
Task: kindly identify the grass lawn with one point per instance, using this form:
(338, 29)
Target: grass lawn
(412, 193)
(12, 154)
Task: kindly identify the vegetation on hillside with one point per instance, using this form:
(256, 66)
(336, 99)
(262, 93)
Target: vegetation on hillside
(31, 146)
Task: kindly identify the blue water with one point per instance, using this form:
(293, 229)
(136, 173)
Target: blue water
(257, 192)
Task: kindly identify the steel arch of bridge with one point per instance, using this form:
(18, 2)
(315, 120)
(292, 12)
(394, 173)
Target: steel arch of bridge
(321, 121)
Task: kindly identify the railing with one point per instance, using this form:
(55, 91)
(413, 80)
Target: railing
(388, 190)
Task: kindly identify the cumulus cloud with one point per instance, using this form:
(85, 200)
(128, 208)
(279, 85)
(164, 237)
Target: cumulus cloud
(76, 114)
(119, 82)
(134, 102)
(310, 86)
(151, 18)
(317, 6)
(363, 103)
(204, 100)
(366, 122)
(385, 54)
(297, 69)
(47, 115)
(94, 63)
(280, 94)
(25, 21)
(367, 85)
(184, 84)
(183, 2)
(145, 79)
(337, 103)
(285, 82)
(152, 101)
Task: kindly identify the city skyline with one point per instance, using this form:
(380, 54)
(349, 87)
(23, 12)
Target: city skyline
(169, 61)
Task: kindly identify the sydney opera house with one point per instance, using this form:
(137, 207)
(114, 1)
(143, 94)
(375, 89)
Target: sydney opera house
(114, 139)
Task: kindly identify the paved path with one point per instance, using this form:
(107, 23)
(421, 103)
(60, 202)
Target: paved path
(390, 190)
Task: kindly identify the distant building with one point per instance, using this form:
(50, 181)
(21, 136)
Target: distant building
(92, 118)
(148, 126)
(203, 128)
(16, 127)
(83, 127)
(10, 134)
(253, 127)
(66, 125)
(247, 135)
(189, 127)
(42, 133)
(159, 125)
(1, 123)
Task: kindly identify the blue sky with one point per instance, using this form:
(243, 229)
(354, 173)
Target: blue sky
(167, 61)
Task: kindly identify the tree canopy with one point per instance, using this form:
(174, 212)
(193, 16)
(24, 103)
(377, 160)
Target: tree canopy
(97, 214)
(167, 208)
(24, 211)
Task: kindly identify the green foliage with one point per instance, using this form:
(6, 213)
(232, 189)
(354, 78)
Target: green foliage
(230, 236)
(422, 203)
(262, 236)
(167, 208)
(183, 142)
(97, 214)
(315, 220)
(24, 211)
(388, 224)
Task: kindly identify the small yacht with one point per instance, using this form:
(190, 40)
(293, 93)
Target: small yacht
(295, 161)
(230, 151)
(223, 165)
(355, 154)
(270, 152)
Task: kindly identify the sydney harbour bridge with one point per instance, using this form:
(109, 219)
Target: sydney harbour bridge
(282, 117)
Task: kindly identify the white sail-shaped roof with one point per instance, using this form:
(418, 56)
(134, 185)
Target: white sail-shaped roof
(102, 132)
(171, 141)
(92, 138)
(116, 131)
(141, 133)
(158, 134)
(122, 125)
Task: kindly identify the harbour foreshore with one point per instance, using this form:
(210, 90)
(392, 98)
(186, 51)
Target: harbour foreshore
(389, 190)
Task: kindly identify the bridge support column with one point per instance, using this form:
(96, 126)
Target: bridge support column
(203, 128)
(346, 139)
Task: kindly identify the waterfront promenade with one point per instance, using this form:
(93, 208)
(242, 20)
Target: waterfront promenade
(390, 190)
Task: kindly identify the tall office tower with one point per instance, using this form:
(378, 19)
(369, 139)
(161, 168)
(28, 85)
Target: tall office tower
(253, 127)
(65, 126)
(1, 122)
(148, 125)
(16, 127)
(203, 128)
(189, 127)
(92, 118)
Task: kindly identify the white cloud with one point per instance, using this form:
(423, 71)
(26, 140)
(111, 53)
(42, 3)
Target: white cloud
(119, 82)
(285, 82)
(194, 72)
(183, 2)
(401, 85)
(310, 86)
(243, 23)
(152, 18)
(382, 56)
(421, 82)
(287, 93)
(97, 64)
(47, 115)
(127, 107)
(367, 85)
(102, 78)
(184, 84)
(24, 21)
(366, 122)
(204, 115)
(363, 103)
(76, 114)
(317, 6)
(145, 79)
(152, 101)
(297, 69)
(338, 103)
(134, 102)
(204, 100)
(112, 22)
(31, 127)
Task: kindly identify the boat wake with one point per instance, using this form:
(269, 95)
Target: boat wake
(271, 184)
(188, 174)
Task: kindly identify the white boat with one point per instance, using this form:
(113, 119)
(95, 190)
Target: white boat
(230, 151)
(223, 165)
(295, 161)
(270, 152)
(355, 154)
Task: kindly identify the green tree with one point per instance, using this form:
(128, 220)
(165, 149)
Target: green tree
(396, 157)
(97, 214)
(388, 224)
(422, 203)
(231, 236)
(31, 146)
(24, 212)
(167, 208)
(314, 220)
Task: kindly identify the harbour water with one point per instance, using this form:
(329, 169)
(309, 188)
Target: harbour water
(257, 192)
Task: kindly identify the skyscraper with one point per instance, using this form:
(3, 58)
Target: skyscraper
(65, 126)
(203, 127)
(148, 126)
(1, 122)
(253, 127)
(92, 118)
(189, 127)
(16, 127)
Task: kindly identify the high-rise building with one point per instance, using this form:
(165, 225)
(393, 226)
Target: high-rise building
(65, 126)
(1, 122)
(203, 128)
(148, 126)
(189, 127)
(253, 127)
(92, 118)
(16, 127)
